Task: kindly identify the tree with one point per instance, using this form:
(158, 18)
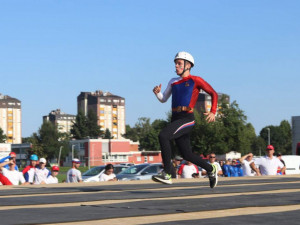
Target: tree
(49, 139)
(86, 126)
(146, 133)
(79, 129)
(2, 136)
(280, 137)
(107, 134)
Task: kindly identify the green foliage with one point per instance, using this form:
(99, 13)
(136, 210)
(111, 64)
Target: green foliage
(79, 129)
(2, 136)
(107, 134)
(146, 133)
(92, 126)
(280, 137)
(230, 132)
(86, 126)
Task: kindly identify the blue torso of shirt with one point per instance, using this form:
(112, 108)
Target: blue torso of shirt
(182, 93)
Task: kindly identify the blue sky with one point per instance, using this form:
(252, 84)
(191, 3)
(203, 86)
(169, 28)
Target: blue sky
(50, 51)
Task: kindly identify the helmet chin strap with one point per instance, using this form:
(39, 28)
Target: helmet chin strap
(184, 70)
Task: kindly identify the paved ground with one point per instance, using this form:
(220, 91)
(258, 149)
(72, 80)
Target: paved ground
(254, 200)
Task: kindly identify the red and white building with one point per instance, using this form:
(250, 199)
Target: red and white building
(96, 152)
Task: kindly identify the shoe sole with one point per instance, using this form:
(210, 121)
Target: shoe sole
(161, 180)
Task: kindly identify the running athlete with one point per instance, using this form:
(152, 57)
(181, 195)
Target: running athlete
(184, 90)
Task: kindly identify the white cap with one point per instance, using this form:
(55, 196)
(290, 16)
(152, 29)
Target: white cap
(185, 56)
(43, 160)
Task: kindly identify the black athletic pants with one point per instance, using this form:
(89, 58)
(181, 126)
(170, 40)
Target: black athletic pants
(179, 129)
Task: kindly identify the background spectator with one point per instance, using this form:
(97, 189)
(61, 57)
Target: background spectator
(74, 175)
(212, 160)
(13, 156)
(278, 169)
(268, 164)
(108, 174)
(14, 176)
(52, 179)
(29, 170)
(41, 173)
(246, 160)
(187, 170)
(176, 162)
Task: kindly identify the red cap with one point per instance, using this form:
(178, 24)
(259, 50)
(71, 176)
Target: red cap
(270, 147)
(12, 154)
(55, 168)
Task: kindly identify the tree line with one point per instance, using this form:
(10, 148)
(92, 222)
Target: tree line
(230, 132)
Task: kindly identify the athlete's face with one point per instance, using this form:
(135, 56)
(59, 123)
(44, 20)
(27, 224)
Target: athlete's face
(179, 65)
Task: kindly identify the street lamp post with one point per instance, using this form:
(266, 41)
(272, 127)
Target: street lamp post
(268, 136)
(73, 151)
(58, 160)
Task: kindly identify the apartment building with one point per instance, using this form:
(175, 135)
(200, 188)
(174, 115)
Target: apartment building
(109, 108)
(10, 119)
(63, 121)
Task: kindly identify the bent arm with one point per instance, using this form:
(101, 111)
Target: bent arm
(202, 84)
(163, 97)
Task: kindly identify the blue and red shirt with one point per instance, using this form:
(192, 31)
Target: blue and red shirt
(185, 92)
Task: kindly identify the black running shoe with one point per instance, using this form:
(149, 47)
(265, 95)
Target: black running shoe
(163, 178)
(213, 176)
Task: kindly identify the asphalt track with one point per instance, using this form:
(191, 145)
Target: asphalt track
(255, 200)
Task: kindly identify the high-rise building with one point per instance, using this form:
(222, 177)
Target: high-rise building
(296, 135)
(62, 120)
(109, 108)
(10, 119)
(204, 101)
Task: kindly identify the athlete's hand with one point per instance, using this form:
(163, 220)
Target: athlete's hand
(210, 117)
(157, 89)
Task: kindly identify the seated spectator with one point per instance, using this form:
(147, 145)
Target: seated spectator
(13, 156)
(268, 164)
(108, 174)
(29, 170)
(15, 177)
(41, 172)
(188, 170)
(212, 160)
(74, 175)
(52, 179)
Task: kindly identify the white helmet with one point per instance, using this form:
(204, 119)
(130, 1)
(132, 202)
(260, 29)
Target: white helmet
(185, 56)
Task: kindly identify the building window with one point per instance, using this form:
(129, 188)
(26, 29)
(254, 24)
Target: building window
(102, 100)
(150, 158)
(138, 159)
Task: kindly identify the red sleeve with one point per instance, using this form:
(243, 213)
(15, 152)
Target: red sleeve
(25, 170)
(202, 84)
(196, 168)
(180, 169)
